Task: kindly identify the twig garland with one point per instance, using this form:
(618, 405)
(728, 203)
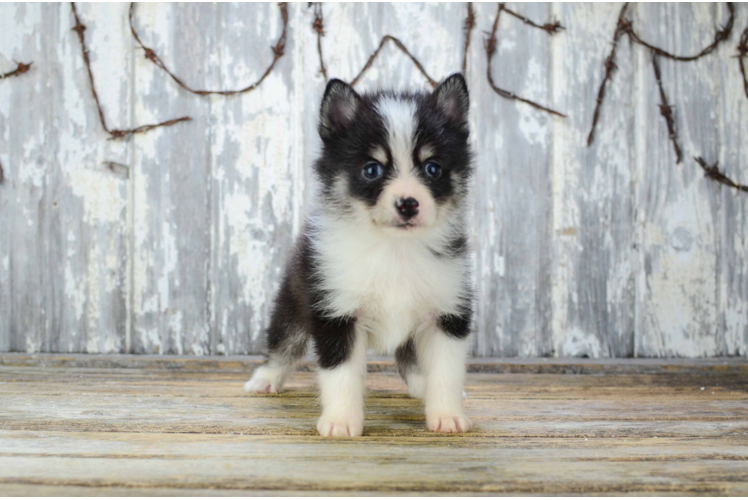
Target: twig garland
(713, 173)
(742, 53)
(719, 37)
(610, 67)
(469, 25)
(400, 46)
(278, 50)
(318, 26)
(625, 26)
(21, 68)
(490, 46)
(550, 28)
(79, 28)
(666, 109)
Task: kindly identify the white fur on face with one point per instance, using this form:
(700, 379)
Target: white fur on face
(399, 116)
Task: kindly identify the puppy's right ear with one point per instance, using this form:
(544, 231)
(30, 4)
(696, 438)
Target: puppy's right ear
(338, 109)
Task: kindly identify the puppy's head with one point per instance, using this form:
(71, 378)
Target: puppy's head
(400, 162)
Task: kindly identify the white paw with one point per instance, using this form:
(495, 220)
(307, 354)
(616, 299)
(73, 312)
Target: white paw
(260, 386)
(264, 381)
(449, 424)
(331, 426)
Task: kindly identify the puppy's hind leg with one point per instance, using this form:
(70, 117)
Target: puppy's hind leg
(406, 361)
(287, 342)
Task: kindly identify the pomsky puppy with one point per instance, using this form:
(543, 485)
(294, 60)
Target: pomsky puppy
(382, 262)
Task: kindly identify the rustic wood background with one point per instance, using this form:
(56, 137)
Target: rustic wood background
(173, 241)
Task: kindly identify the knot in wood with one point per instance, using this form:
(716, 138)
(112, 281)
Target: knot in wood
(553, 28)
(278, 49)
(317, 26)
(625, 26)
(22, 68)
(490, 45)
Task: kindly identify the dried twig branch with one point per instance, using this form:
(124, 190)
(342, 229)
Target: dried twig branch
(610, 67)
(551, 28)
(277, 49)
(400, 46)
(666, 110)
(79, 28)
(319, 27)
(714, 174)
(20, 69)
(719, 37)
(490, 45)
(626, 26)
(469, 25)
(742, 53)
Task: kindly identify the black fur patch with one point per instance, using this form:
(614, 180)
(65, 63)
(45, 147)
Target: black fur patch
(284, 335)
(457, 247)
(333, 339)
(406, 359)
(456, 325)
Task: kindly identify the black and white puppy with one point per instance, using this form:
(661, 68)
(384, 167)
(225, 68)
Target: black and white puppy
(382, 263)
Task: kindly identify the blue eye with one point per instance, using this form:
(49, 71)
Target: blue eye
(433, 170)
(372, 170)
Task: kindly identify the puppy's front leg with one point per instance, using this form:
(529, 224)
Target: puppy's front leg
(444, 357)
(341, 354)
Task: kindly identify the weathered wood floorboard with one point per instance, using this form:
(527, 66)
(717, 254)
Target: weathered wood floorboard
(155, 430)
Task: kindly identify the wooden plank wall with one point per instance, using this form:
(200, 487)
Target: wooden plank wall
(173, 241)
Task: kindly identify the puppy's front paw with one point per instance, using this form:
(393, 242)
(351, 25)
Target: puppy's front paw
(260, 386)
(264, 381)
(449, 424)
(335, 426)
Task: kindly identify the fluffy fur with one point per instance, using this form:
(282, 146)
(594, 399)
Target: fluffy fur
(382, 263)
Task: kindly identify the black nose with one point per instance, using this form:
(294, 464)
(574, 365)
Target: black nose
(407, 207)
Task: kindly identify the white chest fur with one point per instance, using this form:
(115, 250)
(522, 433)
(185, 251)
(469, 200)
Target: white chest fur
(393, 286)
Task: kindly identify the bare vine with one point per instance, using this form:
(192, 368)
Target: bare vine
(713, 173)
(278, 50)
(80, 28)
(625, 26)
(742, 53)
(490, 46)
(319, 28)
(469, 25)
(21, 68)
(666, 110)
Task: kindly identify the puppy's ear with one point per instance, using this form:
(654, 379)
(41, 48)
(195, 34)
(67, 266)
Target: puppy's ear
(338, 109)
(452, 99)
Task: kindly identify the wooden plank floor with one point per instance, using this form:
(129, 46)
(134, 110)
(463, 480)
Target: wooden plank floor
(79, 425)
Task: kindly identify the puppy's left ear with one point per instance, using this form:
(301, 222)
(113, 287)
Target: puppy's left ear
(453, 100)
(339, 106)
